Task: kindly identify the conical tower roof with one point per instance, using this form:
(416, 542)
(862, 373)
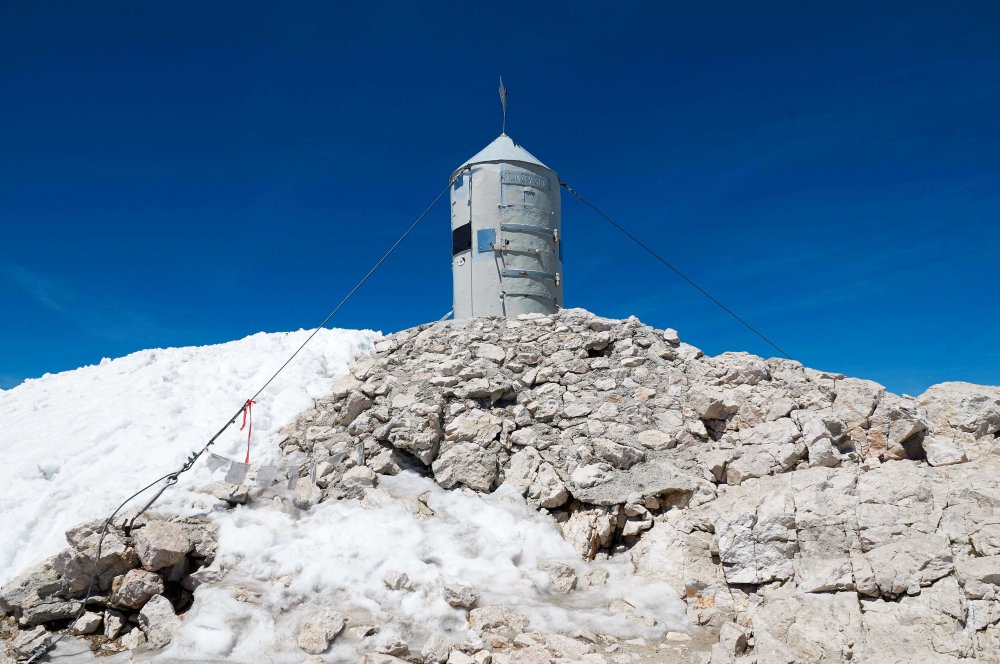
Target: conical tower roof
(502, 149)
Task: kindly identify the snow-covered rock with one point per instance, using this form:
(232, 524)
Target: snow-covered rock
(592, 480)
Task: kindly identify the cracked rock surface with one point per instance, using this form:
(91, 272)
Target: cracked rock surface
(803, 516)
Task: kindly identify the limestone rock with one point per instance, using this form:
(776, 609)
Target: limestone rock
(473, 426)
(940, 452)
(547, 488)
(27, 641)
(459, 596)
(158, 621)
(468, 464)
(114, 624)
(359, 476)
(75, 566)
(161, 544)
(435, 650)
(903, 566)
(802, 514)
(48, 610)
(320, 630)
(231, 493)
(38, 582)
(971, 408)
(564, 646)
(136, 588)
(562, 577)
(89, 623)
(656, 440)
(497, 619)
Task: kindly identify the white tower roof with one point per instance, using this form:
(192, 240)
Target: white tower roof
(502, 149)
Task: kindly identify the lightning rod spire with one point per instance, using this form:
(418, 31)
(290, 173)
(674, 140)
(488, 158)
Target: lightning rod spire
(503, 103)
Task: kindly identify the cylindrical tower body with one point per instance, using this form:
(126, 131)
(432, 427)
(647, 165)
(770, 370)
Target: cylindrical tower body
(506, 234)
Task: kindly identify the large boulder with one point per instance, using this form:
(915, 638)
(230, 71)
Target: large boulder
(161, 544)
(468, 464)
(970, 408)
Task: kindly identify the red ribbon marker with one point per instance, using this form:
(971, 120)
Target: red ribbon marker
(248, 416)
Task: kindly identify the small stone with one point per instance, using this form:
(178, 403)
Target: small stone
(562, 577)
(733, 639)
(495, 618)
(397, 581)
(359, 476)
(88, 623)
(136, 588)
(114, 624)
(469, 464)
(133, 639)
(393, 647)
(234, 494)
(656, 440)
(158, 621)
(47, 610)
(564, 646)
(435, 650)
(491, 353)
(362, 631)
(588, 476)
(459, 596)
(320, 630)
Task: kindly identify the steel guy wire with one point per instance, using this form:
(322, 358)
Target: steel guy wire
(680, 274)
(171, 478)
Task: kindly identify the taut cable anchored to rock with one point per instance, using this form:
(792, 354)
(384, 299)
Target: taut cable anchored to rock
(680, 274)
(171, 478)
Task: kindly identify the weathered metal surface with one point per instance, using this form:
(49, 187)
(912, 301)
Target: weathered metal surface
(508, 204)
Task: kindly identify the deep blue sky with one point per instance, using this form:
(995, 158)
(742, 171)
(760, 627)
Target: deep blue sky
(189, 173)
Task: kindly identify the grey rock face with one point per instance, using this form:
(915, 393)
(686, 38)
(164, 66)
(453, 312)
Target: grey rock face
(26, 642)
(51, 593)
(770, 496)
(158, 621)
(48, 610)
(467, 464)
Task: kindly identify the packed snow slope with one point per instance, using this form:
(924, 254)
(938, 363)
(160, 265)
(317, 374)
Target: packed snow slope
(75, 444)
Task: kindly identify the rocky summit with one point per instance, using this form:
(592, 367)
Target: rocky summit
(798, 515)
(801, 515)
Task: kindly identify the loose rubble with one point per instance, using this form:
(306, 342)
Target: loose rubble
(770, 496)
(140, 587)
(800, 515)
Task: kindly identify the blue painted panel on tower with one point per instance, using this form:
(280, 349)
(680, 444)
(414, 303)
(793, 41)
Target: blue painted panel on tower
(485, 239)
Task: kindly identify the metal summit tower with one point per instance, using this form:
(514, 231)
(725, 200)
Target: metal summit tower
(506, 256)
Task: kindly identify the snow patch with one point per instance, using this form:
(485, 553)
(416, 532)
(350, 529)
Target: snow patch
(76, 443)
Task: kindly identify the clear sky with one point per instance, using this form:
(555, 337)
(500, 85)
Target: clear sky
(192, 172)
